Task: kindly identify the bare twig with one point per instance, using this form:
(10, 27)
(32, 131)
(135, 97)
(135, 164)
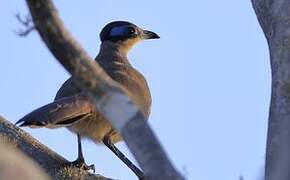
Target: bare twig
(27, 23)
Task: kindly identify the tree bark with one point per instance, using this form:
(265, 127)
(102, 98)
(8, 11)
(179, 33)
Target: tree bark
(111, 99)
(15, 164)
(274, 18)
(53, 164)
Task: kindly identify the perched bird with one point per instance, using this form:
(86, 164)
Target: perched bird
(72, 108)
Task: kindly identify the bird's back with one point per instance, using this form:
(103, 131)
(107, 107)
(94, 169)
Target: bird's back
(68, 88)
(94, 126)
(131, 79)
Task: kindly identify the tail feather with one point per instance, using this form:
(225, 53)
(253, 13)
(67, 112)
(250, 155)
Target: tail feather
(22, 122)
(60, 113)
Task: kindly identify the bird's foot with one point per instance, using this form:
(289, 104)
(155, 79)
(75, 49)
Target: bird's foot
(79, 163)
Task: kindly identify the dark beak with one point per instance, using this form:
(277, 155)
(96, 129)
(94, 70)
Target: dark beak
(149, 35)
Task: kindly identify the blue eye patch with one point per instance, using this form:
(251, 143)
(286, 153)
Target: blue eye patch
(120, 30)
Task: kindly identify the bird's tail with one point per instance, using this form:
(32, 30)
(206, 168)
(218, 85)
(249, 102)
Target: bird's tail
(60, 113)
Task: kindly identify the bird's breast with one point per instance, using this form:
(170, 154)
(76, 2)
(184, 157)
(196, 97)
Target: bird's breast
(134, 82)
(117, 66)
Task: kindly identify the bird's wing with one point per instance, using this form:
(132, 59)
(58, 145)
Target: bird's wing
(69, 88)
(60, 113)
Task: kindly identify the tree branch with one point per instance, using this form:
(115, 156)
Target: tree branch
(111, 99)
(274, 17)
(15, 164)
(53, 164)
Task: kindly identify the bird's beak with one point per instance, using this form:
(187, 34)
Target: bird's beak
(149, 35)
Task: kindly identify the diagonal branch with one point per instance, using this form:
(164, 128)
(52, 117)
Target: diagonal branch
(53, 164)
(111, 99)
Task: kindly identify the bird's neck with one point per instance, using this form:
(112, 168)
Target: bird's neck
(112, 59)
(112, 52)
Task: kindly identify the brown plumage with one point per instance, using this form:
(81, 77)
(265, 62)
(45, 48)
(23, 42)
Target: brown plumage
(117, 66)
(72, 107)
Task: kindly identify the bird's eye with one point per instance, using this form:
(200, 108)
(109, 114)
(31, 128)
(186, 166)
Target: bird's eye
(131, 30)
(123, 31)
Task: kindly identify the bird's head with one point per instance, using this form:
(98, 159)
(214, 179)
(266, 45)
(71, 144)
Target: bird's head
(125, 34)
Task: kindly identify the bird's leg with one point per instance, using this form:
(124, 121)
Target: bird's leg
(80, 161)
(80, 151)
(123, 158)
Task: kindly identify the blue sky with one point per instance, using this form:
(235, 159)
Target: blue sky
(209, 76)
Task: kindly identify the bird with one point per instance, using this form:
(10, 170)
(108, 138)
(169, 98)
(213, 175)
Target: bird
(74, 109)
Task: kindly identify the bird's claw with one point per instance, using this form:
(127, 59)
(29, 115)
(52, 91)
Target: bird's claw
(82, 165)
(88, 167)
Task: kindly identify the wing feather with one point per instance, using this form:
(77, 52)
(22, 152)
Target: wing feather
(60, 113)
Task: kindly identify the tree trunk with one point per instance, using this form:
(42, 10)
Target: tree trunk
(274, 18)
